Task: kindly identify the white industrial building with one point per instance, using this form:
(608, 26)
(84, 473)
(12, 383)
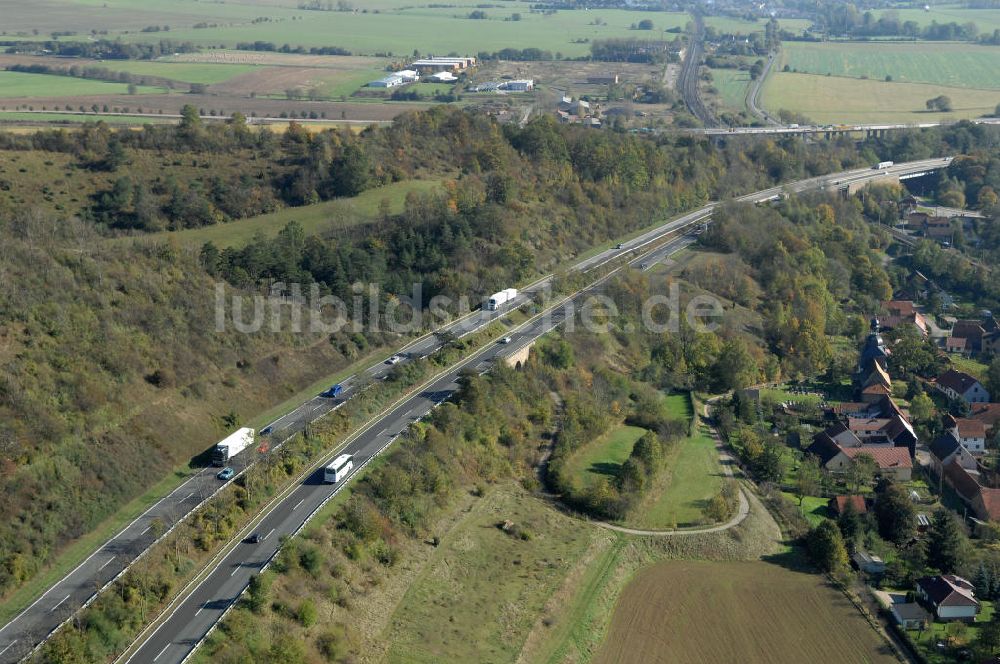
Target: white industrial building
(443, 77)
(524, 85)
(389, 81)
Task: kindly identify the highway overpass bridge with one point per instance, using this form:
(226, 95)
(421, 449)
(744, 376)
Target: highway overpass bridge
(828, 131)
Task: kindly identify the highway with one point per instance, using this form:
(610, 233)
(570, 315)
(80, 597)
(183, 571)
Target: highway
(18, 637)
(194, 616)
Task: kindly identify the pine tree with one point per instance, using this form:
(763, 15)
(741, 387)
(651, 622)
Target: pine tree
(946, 542)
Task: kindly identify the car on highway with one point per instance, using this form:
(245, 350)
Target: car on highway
(333, 391)
(226, 474)
(265, 431)
(619, 246)
(643, 266)
(505, 340)
(255, 538)
(395, 359)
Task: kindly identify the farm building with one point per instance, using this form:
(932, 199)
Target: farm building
(443, 64)
(390, 81)
(408, 75)
(525, 85)
(443, 77)
(950, 597)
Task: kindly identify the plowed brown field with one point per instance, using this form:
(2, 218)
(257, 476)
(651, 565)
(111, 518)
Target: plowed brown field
(706, 612)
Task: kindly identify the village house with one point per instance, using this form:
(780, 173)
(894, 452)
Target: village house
(987, 413)
(947, 449)
(891, 462)
(950, 597)
(983, 501)
(838, 504)
(971, 434)
(960, 385)
(903, 312)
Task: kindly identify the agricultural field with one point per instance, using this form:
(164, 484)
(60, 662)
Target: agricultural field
(750, 612)
(833, 99)
(16, 85)
(317, 218)
(478, 597)
(956, 65)
(177, 71)
(28, 117)
(395, 28)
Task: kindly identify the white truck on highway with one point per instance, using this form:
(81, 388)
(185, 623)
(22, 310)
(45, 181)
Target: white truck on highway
(232, 445)
(497, 300)
(338, 469)
(882, 165)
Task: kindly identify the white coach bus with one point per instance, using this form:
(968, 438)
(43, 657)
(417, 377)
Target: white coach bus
(339, 469)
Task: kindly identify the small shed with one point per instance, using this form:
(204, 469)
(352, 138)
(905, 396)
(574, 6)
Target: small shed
(868, 563)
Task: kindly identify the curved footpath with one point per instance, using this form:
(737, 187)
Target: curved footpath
(727, 461)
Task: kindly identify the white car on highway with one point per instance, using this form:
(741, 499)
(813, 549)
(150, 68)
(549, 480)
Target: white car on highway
(395, 359)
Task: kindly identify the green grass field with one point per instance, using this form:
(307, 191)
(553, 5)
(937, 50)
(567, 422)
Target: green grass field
(75, 118)
(314, 218)
(604, 456)
(969, 365)
(752, 612)
(429, 30)
(15, 84)
(952, 64)
(732, 85)
(478, 597)
(188, 72)
(693, 476)
(344, 83)
(834, 99)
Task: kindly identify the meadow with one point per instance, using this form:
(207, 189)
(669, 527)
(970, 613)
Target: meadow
(693, 476)
(14, 85)
(315, 218)
(604, 456)
(732, 86)
(736, 611)
(692, 473)
(950, 64)
(835, 99)
(478, 597)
